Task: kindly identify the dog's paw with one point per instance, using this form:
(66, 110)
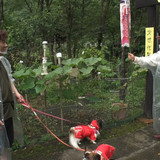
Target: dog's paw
(93, 142)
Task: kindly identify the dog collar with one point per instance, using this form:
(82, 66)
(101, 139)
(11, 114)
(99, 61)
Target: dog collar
(91, 126)
(100, 153)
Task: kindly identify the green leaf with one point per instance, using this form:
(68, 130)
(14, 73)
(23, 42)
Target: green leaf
(29, 72)
(40, 88)
(67, 62)
(53, 74)
(91, 61)
(72, 62)
(103, 68)
(38, 71)
(50, 75)
(67, 70)
(41, 82)
(86, 71)
(48, 64)
(28, 83)
(58, 71)
(19, 73)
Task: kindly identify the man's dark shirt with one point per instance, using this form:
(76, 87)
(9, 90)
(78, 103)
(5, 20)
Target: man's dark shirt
(7, 96)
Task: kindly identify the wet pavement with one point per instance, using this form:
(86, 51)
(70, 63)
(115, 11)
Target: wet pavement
(140, 145)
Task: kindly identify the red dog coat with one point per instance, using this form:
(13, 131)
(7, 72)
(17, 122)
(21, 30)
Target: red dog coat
(105, 150)
(87, 131)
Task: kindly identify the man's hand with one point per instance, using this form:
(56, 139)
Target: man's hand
(131, 56)
(19, 97)
(1, 123)
(158, 37)
(17, 94)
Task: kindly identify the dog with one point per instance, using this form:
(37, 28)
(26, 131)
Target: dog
(103, 152)
(80, 132)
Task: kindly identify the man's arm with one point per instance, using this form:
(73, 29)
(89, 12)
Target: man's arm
(149, 62)
(17, 94)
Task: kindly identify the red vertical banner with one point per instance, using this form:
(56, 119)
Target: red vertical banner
(125, 22)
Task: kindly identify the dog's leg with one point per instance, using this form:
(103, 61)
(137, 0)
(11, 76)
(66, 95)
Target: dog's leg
(79, 142)
(93, 142)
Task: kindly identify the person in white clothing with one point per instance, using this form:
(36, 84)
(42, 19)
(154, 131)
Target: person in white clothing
(152, 63)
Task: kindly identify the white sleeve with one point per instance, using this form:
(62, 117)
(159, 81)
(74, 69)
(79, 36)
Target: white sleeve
(148, 62)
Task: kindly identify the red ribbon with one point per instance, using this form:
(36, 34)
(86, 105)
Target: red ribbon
(27, 104)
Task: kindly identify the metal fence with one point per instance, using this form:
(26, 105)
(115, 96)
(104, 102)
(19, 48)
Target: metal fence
(108, 104)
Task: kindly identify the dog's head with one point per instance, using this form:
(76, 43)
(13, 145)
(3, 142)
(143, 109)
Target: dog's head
(91, 155)
(97, 124)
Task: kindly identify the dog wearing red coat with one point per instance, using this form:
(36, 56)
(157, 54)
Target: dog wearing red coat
(103, 152)
(80, 132)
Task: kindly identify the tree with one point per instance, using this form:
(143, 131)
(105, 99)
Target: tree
(1, 14)
(103, 15)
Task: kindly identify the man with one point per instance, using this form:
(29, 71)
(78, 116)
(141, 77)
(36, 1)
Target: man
(152, 63)
(8, 93)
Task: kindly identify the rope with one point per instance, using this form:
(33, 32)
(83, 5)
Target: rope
(50, 115)
(33, 110)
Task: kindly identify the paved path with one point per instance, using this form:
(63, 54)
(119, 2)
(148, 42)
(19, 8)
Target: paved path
(140, 145)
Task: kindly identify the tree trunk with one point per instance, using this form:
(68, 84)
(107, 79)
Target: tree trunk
(123, 75)
(1, 15)
(69, 18)
(48, 4)
(61, 104)
(103, 15)
(74, 49)
(149, 78)
(52, 53)
(83, 2)
(152, 22)
(28, 5)
(69, 45)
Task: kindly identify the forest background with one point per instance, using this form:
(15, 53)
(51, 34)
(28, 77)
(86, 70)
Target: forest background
(91, 78)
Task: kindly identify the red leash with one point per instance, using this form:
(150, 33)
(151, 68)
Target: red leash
(25, 103)
(50, 115)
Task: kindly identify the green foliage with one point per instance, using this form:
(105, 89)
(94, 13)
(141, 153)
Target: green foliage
(86, 71)
(30, 77)
(138, 71)
(115, 108)
(72, 62)
(46, 138)
(91, 61)
(60, 22)
(31, 22)
(27, 77)
(136, 86)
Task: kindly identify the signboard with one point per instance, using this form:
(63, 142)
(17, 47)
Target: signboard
(149, 41)
(125, 22)
(146, 3)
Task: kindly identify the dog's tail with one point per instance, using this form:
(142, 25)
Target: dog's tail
(73, 141)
